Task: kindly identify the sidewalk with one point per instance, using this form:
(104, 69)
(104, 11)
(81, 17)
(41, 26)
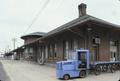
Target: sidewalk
(25, 71)
(3, 74)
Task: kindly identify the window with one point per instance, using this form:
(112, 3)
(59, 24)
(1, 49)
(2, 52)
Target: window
(96, 40)
(82, 56)
(72, 55)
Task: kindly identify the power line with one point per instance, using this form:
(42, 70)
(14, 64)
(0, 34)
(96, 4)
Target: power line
(37, 15)
(59, 5)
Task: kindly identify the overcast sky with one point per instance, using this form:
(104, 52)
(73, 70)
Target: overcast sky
(17, 15)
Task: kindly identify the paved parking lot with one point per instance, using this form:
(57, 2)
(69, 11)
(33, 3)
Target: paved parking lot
(24, 71)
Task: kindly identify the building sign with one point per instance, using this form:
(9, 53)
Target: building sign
(96, 40)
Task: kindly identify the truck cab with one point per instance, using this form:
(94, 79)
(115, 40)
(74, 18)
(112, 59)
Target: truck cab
(76, 66)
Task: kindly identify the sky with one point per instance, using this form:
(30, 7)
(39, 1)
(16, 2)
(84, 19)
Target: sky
(17, 15)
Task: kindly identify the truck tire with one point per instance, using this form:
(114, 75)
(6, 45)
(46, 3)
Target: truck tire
(97, 69)
(82, 74)
(66, 77)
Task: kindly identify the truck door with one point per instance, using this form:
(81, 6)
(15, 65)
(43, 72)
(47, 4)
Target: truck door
(82, 58)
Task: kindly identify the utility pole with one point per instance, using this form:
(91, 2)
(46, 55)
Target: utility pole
(14, 42)
(7, 48)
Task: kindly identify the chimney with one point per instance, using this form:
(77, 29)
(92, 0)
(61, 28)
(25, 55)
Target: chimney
(82, 9)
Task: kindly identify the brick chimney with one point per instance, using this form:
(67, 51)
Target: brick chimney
(82, 9)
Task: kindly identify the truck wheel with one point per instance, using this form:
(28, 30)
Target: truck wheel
(97, 70)
(66, 77)
(82, 74)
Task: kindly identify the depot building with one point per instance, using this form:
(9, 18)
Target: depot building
(102, 38)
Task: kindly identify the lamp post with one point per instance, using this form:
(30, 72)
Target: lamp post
(14, 42)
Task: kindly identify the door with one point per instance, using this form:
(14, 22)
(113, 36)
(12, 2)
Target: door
(114, 50)
(95, 48)
(96, 53)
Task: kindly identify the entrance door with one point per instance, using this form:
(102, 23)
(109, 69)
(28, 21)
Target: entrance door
(96, 44)
(114, 50)
(96, 53)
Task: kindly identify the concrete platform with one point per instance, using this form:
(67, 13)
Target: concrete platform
(25, 71)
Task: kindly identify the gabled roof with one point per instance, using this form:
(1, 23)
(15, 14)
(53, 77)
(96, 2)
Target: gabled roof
(78, 21)
(71, 24)
(38, 34)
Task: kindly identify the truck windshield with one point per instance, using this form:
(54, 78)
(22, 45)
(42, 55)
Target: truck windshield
(82, 56)
(72, 55)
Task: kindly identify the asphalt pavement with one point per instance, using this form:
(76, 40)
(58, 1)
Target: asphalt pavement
(3, 75)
